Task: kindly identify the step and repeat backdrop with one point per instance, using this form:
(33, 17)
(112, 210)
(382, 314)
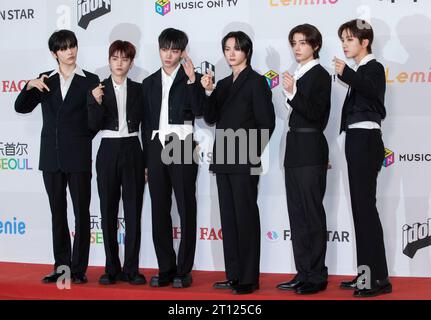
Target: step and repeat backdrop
(402, 44)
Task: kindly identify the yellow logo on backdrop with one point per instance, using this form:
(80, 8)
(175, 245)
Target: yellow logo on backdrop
(285, 3)
(408, 77)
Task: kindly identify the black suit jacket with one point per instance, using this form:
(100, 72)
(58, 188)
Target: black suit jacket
(310, 109)
(366, 98)
(185, 101)
(105, 116)
(66, 138)
(243, 104)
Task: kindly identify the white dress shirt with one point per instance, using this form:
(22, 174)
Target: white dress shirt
(65, 83)
(299, 73)
(364, 124)
(121, 98)
(182, 130)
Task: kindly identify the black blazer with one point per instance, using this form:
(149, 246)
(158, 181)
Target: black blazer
(105, 116)
(185, 101)
(243, 104)
(366, 99)
(66, 138)
(310, 109)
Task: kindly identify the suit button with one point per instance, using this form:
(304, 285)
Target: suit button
(128, 121)
(116, 128)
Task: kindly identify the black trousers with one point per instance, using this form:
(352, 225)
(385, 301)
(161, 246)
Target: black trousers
(305, 189)
(80, 191)
(240, 226)
(120, 173)
(162, 178)
(364, 154)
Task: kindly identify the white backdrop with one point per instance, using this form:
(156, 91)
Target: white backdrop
(402, 44)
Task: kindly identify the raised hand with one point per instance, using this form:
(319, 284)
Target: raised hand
(39, 84)
(288, 82)
(339, 66)
(98, 93)
(189, 68)
(207, 81)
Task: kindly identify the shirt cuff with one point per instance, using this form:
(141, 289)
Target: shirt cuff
(290, 96)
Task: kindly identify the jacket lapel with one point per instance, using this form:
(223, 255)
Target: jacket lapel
(109, 96)
(237, 85)
(156, 96)
(131, 96)
(74, 89)
(53, 83)
(181, 75)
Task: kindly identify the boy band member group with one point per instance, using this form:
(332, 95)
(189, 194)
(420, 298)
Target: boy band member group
(76, 106)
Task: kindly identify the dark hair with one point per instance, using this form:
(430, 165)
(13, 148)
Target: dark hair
(62, 40)
(312, 36)
(242, 41)
(360, 29)
(124, 47)
(173, 39)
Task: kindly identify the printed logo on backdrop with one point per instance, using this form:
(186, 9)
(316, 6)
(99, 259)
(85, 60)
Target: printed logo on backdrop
(89, 10)
(389, 158)
(416, 237)
(285, 235)
(407, 77)
(17, 14)
(12, 86)
(273, 78)
(96, 236)
(204, 233)
(14, 156)
(272, 236)
(163, 7)
(301, 3)
(414, 157)
(12, 227)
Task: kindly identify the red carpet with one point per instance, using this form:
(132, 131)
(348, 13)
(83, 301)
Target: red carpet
(23, 281)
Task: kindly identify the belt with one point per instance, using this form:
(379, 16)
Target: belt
(304, 130)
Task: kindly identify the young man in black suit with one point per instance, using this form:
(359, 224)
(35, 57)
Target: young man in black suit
(115, 107)
(242, 108)
(308, 94)
(363, 112)
(173, 98)
(65, 150)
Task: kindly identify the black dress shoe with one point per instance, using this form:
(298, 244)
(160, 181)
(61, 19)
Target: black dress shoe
(79, 278)
(182, 281)
(349, 285)
(228, 284)
(290, 285)
(311, 288)
(160, 281)
(133, 278)
(107, 279)
(52, 277)
(245, 288)
(379, 287)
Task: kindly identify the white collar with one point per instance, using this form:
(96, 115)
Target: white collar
(77, 71)
(365, 60)
(165, 76)
(303, 69)
(119, 86)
